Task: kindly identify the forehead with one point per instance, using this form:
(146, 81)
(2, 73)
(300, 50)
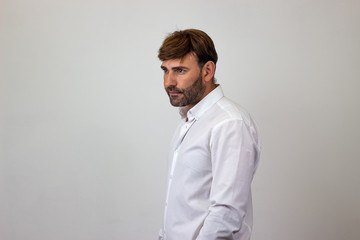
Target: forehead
(188, 60)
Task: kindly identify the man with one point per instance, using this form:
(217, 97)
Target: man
(214, 152)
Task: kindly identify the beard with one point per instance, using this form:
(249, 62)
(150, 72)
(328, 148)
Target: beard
(189, 95)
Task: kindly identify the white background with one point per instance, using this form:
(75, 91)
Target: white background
(86, 124)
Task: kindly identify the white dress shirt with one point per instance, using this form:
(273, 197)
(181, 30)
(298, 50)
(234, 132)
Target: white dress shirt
(212, 161)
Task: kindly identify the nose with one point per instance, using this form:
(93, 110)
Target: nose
(169, 79)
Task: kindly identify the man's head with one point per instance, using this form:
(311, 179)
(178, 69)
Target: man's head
(189, 61)
(180, 43)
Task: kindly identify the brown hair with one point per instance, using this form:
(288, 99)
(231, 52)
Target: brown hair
(180, 43)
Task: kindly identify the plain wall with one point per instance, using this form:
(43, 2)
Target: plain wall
(86, 124)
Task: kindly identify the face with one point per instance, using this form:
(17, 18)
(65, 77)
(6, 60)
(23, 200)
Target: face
(183, 81)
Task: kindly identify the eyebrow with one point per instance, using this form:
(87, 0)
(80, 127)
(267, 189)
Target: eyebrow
(174, 68)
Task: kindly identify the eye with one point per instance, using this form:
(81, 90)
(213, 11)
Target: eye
(179, 70)
(165, 70)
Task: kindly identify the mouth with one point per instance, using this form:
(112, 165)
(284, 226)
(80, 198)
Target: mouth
(173, 93)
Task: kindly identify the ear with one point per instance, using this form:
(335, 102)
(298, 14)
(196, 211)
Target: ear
(208, 71)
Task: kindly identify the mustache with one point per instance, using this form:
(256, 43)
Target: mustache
(174, 89)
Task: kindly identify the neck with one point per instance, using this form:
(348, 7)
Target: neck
(183, 112)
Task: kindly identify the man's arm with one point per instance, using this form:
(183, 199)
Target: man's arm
(234, 154)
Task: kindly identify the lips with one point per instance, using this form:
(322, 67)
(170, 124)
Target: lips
(175, 93)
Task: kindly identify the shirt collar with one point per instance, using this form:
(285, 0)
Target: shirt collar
(201, 107)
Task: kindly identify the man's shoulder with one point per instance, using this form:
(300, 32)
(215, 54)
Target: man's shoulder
(226, 109)
(230, 115)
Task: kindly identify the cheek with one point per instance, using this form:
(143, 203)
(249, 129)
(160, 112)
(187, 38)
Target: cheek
(188, 81)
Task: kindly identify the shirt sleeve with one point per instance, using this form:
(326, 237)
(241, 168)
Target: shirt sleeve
(234, 155)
